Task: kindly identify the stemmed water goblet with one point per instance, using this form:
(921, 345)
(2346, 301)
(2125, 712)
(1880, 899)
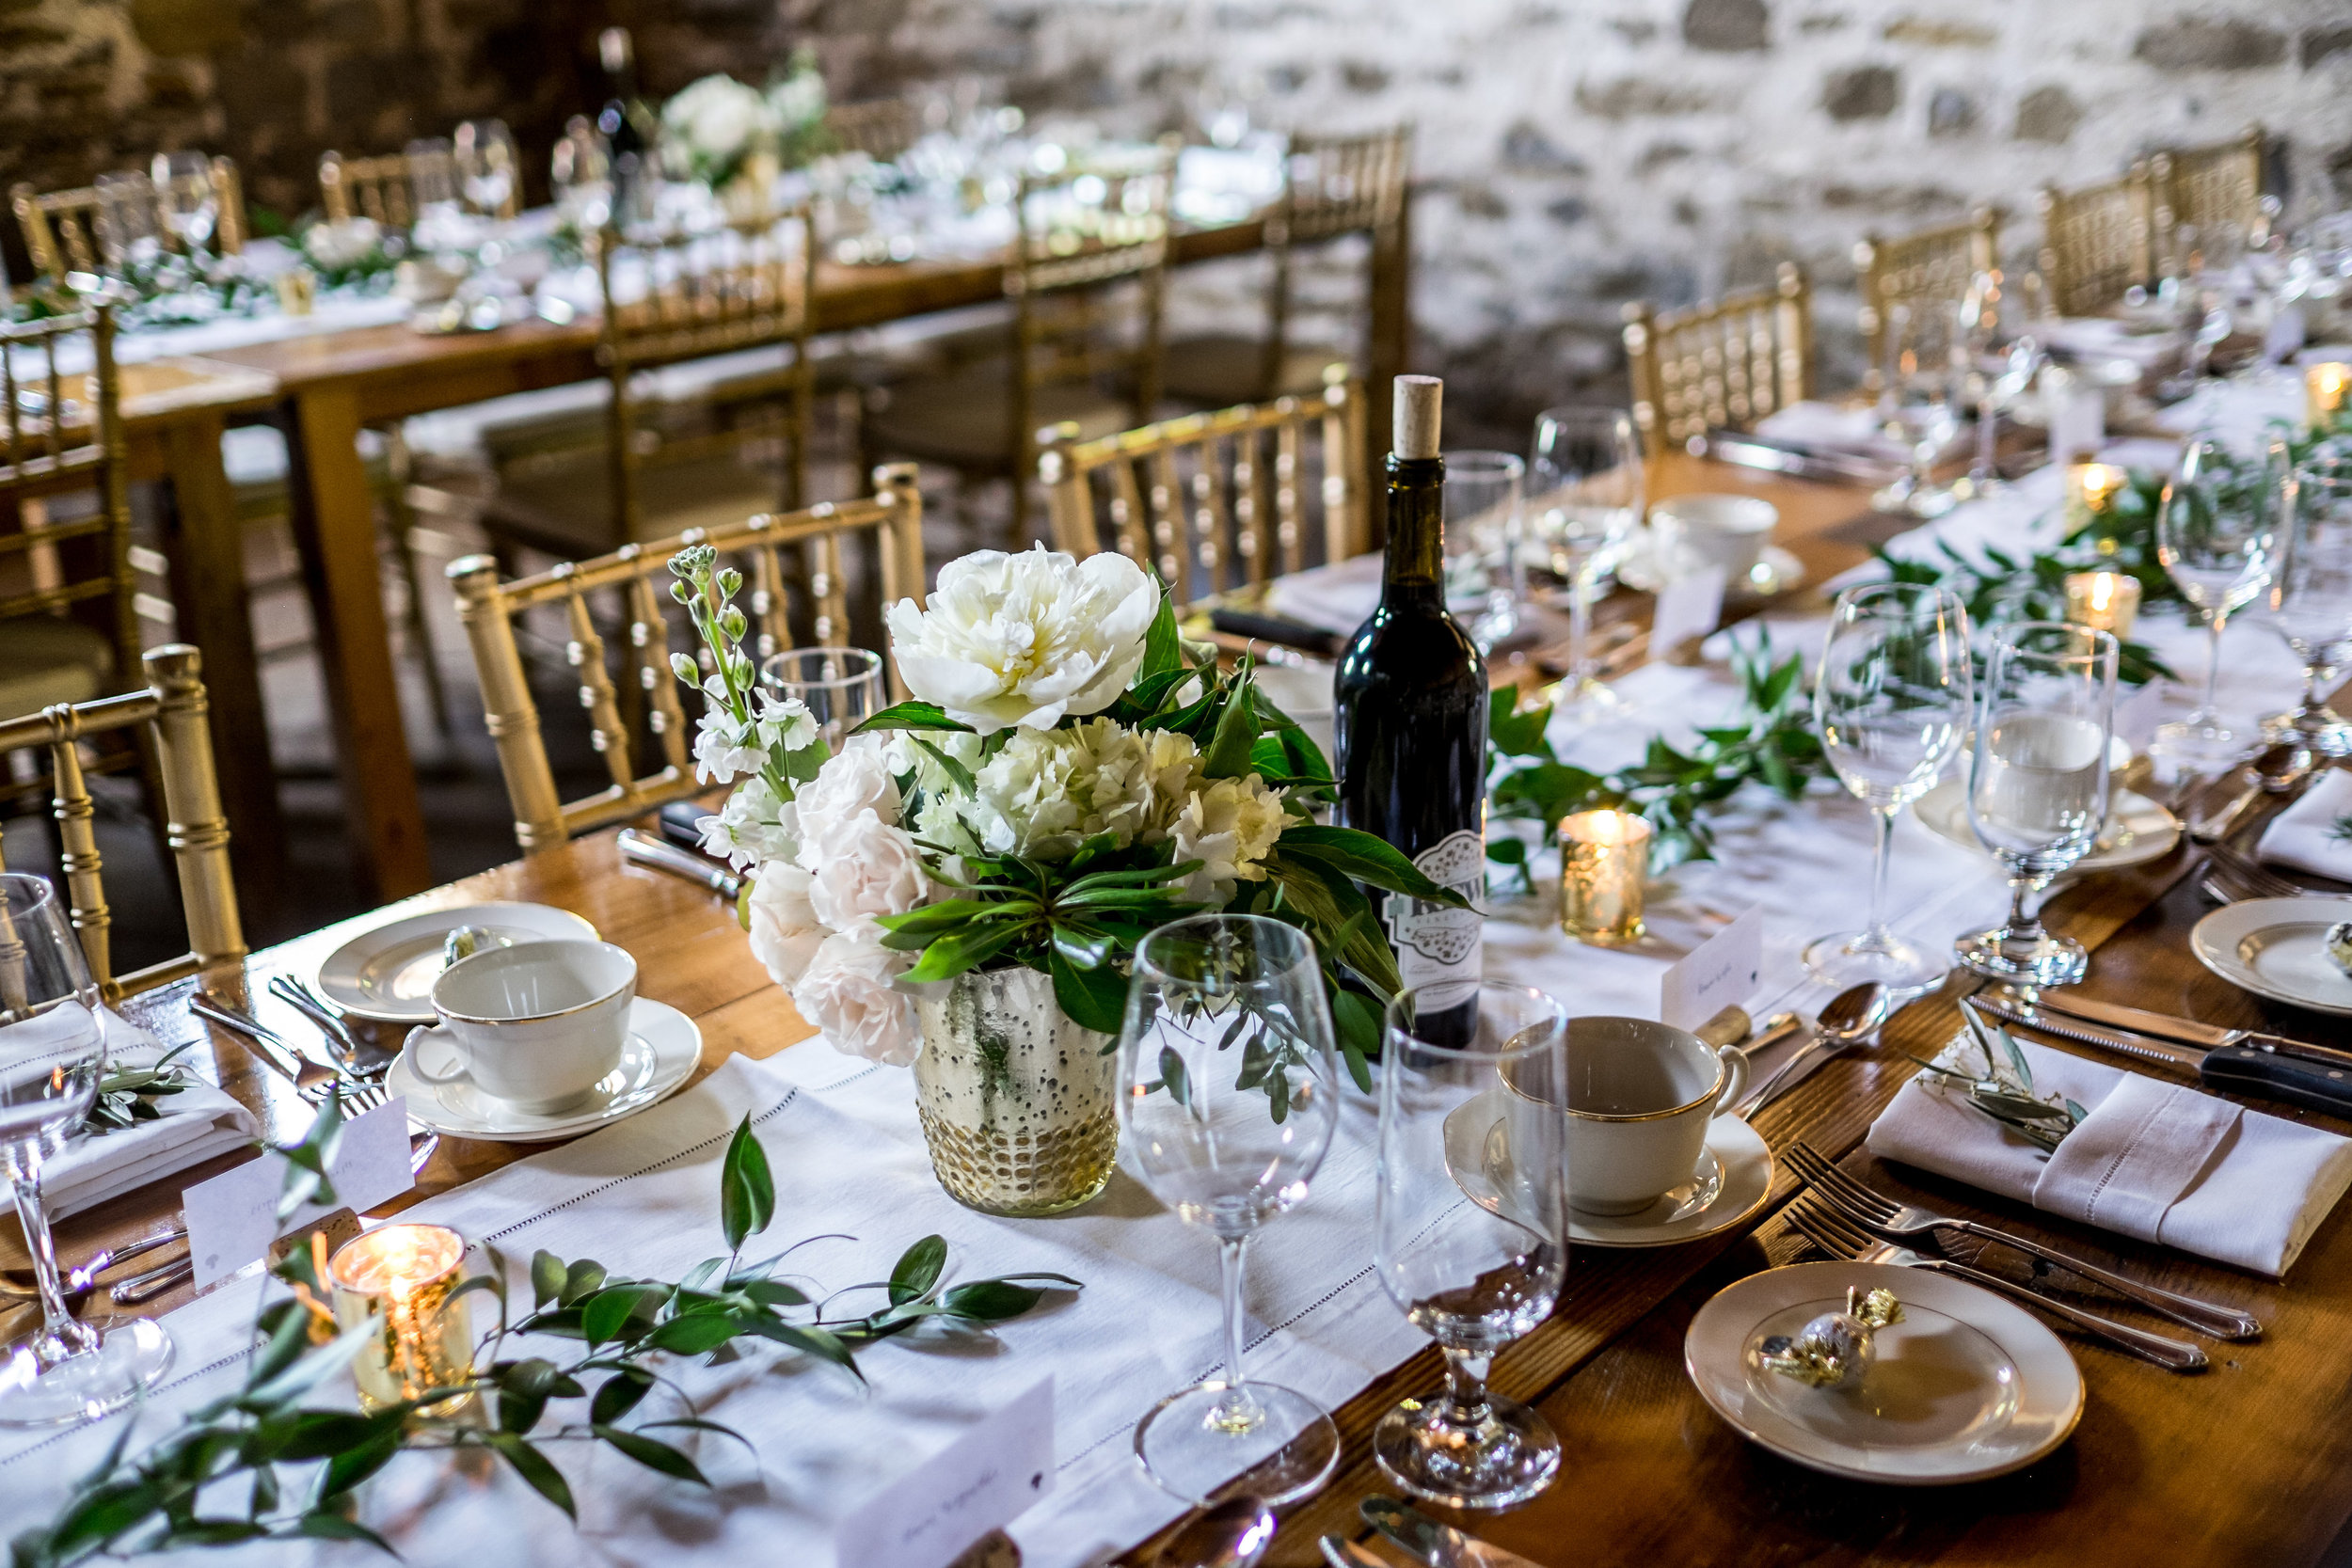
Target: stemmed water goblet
(1228, 1097)
(2310, 602)
(2037, 786)
(1483, 583)
(129, 230)
(1919, 407)
(485, 160)
(185, 198)
(581, 171)
(53, 1046)
(1584, 495)
(2004, 357)
(2216, 535)
(1891, 705)
(1470, 1226)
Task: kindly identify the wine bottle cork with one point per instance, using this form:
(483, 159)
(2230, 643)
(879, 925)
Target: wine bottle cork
(1419, 399)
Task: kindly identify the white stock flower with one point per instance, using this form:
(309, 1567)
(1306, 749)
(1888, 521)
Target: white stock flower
(1230, 825)
(753, 827)
(784, 723)
(848, 992)
(855, 778)
(1023, 640)
(863, 868)
(723, 752)
(785, 931)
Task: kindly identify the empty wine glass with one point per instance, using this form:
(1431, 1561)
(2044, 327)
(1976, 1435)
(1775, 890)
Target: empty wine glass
(52, 1045)
(486, 161)
(1584, 494)
(1891, 705)
(2037, 786)
(2217, 532)
(1483, 584)
(187, 197)
(128, 232)
(581, 172)
(1470, 1228)
(1228, 1093)
(2003, 358)
(1919, 406)
(2311, 594)
(841, 687)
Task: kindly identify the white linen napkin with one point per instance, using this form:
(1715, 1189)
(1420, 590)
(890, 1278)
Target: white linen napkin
(2104, 338)
(1831, 427)
(197, 1123)
(2304, 834)
(2157, 1161)
(1339, 598)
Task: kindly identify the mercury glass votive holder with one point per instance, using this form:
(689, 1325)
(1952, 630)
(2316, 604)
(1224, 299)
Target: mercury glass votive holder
(1604, 860)
(2090, 490)
(2327, 387)
(406, 1276)
(2103, 601)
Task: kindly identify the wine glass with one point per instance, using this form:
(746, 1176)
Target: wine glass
(187, 199)
(1920, 407)
(128, 232)
(581, 172)
(1228, 1096)
(52, 1045)
(2217, 532)
(2038, 784)
(842, 688)
(1470, 1228)
(1482, 533)
(1584, 489)
(2003, 358)
(2311, 594)
(485, 160)
(1891, 705)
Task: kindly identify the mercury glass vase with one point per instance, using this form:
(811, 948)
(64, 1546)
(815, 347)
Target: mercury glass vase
(1015, 1098)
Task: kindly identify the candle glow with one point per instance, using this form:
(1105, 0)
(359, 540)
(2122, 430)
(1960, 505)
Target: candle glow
(405, 1276)
(2325, 387)
(1604, 862)
(2103, 601)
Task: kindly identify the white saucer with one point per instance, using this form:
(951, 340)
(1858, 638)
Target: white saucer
(664, 1046)
(1967, 1386)
(2276, 948)
(2137, 828)
(387, 974)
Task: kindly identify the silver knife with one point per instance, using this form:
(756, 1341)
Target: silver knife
(2164, 1053)
(1439, 1546)
(644, 850)
(1750, 451)
(1342, 1553)
(2189, 1031)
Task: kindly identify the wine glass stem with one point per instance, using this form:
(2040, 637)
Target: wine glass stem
(1988, 421)
(1466, 1389)
(1579, 626)
(1875, 934)
(2206, 712)
(24, 1164)
(1236, 1411)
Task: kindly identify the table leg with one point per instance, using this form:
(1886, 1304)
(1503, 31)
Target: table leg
(204, 546)
(334, 521)
(1391, 356)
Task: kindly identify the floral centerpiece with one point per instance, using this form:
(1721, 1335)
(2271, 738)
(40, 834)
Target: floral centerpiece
(963, 883)
(718, 131)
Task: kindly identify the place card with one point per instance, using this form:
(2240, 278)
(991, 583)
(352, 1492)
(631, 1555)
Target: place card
(233, 1218)
(985, 1478)
(1689, 607)
(1720, 973)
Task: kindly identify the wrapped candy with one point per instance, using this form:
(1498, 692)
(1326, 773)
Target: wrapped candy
(2339, 945)
(1834, 1350)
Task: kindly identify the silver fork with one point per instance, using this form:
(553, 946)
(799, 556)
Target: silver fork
(311, 1078)
(2258, 879)
(1875, 1212)
(306, 1002)
(1840, 1237)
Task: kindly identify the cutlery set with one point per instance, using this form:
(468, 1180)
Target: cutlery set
(2234, 1061)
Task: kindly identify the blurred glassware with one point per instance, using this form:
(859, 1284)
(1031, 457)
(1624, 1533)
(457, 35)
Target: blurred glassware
(842, 688)
(2004, 355)
(2217, 533)
(1584, 494)
(185, 198)
(581, 173)
(1919, 405)
(2311, 594)
(1484, 583)
(129, 231)
(487, 165)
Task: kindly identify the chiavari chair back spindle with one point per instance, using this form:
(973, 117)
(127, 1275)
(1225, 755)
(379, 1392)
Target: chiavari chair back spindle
(67, 231)
(1926, 269)
(2097, 241)
(376, 189)
(639, 573)
(1722, 364)
(2216, 187)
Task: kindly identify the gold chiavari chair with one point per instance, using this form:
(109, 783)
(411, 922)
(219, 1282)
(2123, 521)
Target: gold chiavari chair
(638, 573)
(384, 189)
(1214, 501)
(62, 229)
(1335, 186)
(1930, 267)
(2097, 241)
(1723, 364)
(1087, 281)
(883, 128)
(172, 710)
(2217, 186)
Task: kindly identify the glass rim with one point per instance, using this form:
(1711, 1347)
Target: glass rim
(1490, 460)
(1306, 958)
(44, 891)
(1577, 413)
(2104, 644)
(1558, 1033)
(768, 667)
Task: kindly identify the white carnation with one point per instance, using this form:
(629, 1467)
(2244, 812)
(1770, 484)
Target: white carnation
(785, 932)
(856, 778)
(1024, 640)
(861, 868)
(848, 992)
(1229, 826)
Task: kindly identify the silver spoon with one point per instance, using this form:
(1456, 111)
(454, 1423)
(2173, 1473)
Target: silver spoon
(1852, 1015)
(1234, 1534)
(2277, 770)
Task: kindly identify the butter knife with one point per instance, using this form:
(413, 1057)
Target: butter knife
(639, 849)
(2189, 1031)
(1439, 1546)
(2236, 1069)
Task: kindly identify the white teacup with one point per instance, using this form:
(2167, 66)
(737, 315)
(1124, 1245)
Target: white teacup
(536, 1025)
(1640, 1097)
(1729, 532)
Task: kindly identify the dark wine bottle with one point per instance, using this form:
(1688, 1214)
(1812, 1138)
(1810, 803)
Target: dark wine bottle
(629, 125)
(1412, 715)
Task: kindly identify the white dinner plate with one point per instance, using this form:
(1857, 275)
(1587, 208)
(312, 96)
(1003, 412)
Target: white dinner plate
(2276, 948)
(1965, 1387)
(387, 974)
(664, 1046)
(2137, 829)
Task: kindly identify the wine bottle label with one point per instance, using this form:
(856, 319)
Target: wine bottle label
(1435, 941)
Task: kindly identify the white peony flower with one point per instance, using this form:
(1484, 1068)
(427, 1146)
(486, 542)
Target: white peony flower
(785, 931)
(799, 99)
(863, 868)
(1023, 640)
(753, 827)
(1230, 825)
(717, 117)
(856, 778)
(848, 992)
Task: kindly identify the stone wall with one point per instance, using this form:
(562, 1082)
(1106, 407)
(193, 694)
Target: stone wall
(1574, 153)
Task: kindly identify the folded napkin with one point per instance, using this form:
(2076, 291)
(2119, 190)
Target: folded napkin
(1833, 427)
(2155, 1161)
(197, 1123)
(2104, 338)
(1339, 598)
(2303, 835)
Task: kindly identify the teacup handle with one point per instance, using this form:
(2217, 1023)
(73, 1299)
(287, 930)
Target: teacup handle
(1736, 1070)
(456, 1074)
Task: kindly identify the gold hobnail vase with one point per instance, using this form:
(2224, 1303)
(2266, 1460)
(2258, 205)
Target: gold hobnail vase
(1015, 1098)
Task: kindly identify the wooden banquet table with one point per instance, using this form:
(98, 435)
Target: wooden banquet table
(2248, 1463)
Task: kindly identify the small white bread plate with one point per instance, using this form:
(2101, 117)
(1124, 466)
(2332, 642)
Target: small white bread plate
(2278, 948)
(1967, 1386)
(664, 1046)
(2137, 828)
(387, 974)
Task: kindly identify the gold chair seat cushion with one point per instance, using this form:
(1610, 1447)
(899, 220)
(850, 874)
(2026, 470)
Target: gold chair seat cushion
(1218, 371)
(47, 659)
(964, 420)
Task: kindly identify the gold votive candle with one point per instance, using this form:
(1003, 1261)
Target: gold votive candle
(2090, 489)
(1604, 860)
(2326, 387)
(404, 1276)
(2103, 601)
(298, 291)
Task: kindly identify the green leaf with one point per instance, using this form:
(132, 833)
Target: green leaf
(548, 1274)
(651, 1454)
(956, 771)
(691, 1336)
(911, 716)
(1368, 859)
(821, 1344)
(347, 1470)
(583, 1276)
(951, 954)
(322, 1433)
(1228, 756)
(1163, 649)
(747, 1190)
(1174, 1078)
(533, 1467)
(1095, 999)
(917, 1270)
(605, 1315)
(1512, 731)
(991, 1301)
(319, 1525)
(619, 1394)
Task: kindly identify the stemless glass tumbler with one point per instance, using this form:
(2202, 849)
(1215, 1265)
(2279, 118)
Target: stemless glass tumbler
(1470, 1228)
(1227, 1095)
(841, 687)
